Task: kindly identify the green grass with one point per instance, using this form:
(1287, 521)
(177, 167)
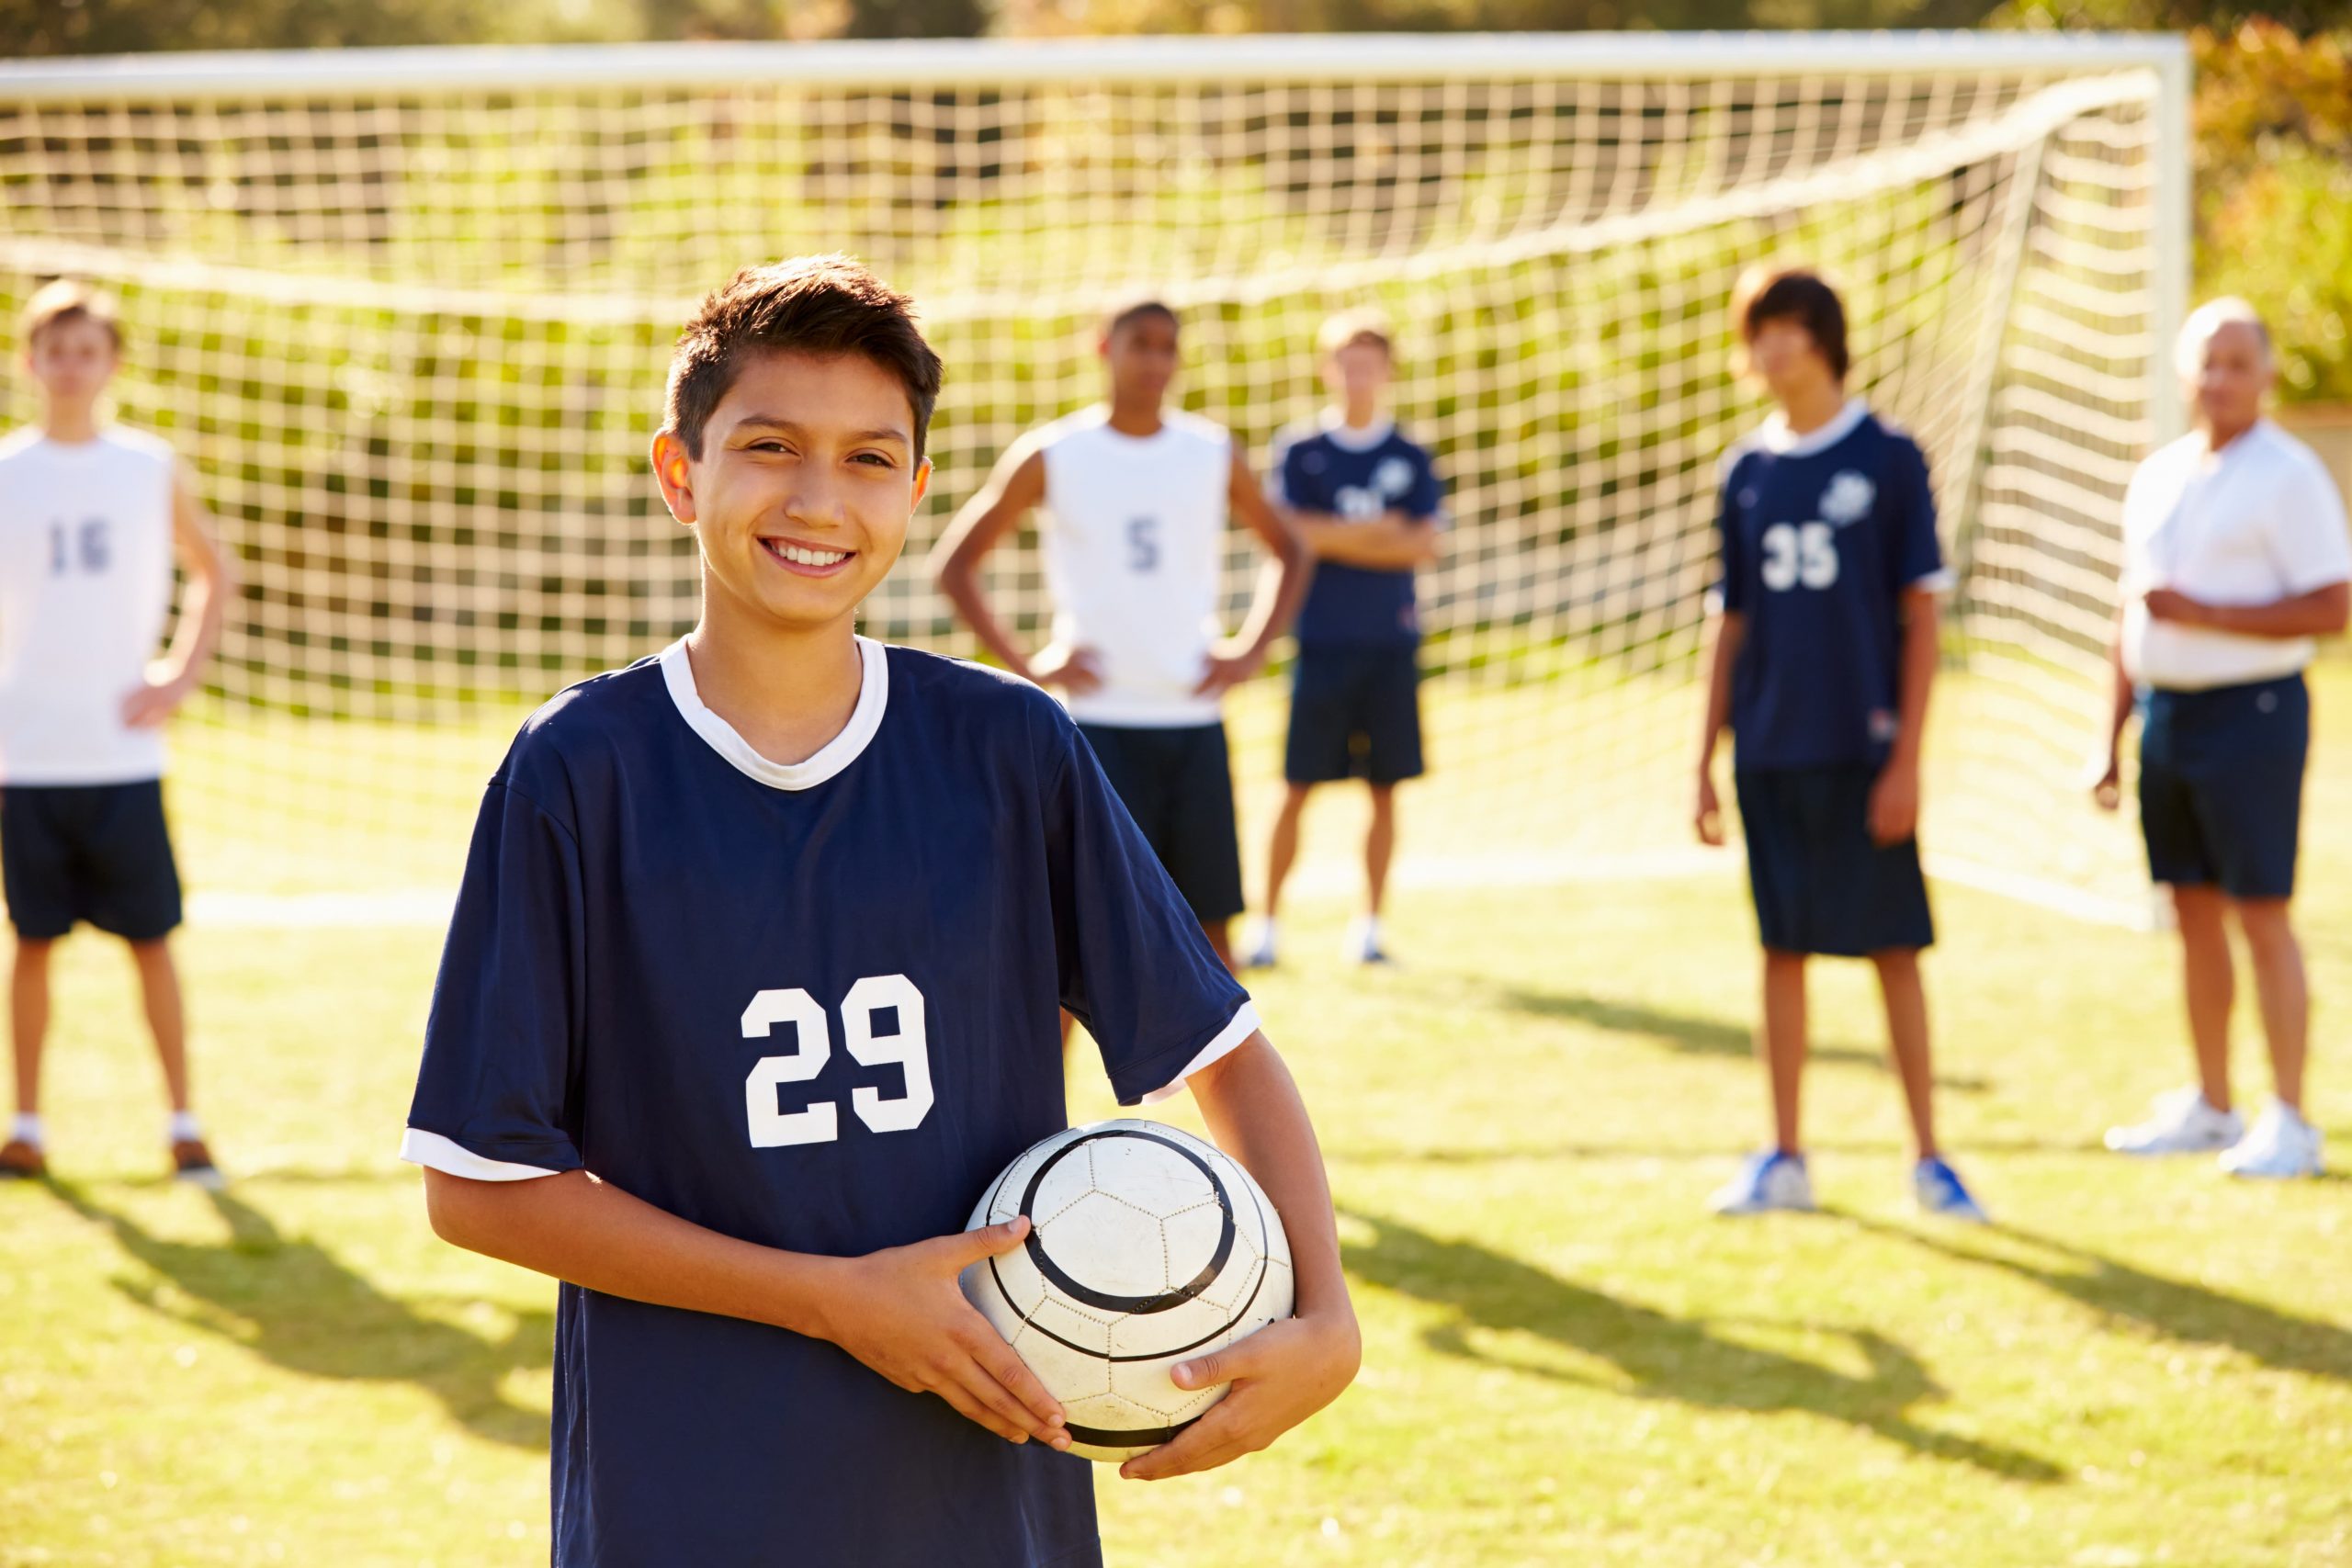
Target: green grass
(1567, 1360)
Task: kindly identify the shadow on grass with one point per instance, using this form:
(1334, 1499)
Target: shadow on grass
(290, 1302)
(1724, 1156)
(1691, 1034)
(1684, 1359)
(2175, 1308)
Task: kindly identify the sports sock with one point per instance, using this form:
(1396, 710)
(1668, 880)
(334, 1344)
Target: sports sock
(25, 1129)
(183, 1128)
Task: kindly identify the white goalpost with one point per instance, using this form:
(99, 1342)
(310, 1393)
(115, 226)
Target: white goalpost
(407, 313)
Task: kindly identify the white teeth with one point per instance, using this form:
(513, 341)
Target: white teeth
(802, 555)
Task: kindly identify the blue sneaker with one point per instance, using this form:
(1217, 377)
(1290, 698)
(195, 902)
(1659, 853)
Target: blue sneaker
(1773, 1179)
(1940, 1191)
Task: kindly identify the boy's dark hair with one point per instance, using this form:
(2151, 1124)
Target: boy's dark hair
(1142, 305)
(823, 305)
(67, 299)
(1799, 295)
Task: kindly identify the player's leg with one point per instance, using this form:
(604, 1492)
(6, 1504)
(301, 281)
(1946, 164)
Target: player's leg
(1315, 751)
(1282, 853)
(136, 895)
(38, 871)
(1388, 715)
(28, 1033)
(1379, 847)
(2279, 986)
(1777, 878)
(2252, 802)
(2198, 1119)
(159, 992)
(2209, 985)
(1782, 1045)
(1907, 1036)
(2282, 1142)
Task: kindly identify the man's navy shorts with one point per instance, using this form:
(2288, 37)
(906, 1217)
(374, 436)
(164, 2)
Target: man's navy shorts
(2221, 785)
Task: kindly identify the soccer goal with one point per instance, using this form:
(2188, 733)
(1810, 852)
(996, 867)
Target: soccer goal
(408, 311)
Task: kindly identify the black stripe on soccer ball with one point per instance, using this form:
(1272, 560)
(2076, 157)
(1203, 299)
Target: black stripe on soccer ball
(1133, 1437)
(1133, 1306)
(1240, 1314)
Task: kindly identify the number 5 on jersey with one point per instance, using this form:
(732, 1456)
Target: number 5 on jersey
(907, 1048)
(1799, 553)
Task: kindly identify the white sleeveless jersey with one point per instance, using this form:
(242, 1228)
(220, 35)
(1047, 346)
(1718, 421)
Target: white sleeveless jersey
(1134, 538)
(86, 585)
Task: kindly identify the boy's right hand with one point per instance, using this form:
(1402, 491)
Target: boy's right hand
(1708, 817)
(2107, 781)
(1078, 671)
(900, 1311)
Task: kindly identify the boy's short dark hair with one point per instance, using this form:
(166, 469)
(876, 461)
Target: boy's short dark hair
(1795, 294)
(825, 305)
(1142, 305)
(67, 299)
(1352, 327)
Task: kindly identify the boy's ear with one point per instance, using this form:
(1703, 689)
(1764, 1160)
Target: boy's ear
(672, 473)
(923, 485)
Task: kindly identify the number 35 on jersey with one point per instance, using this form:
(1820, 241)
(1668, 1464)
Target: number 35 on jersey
(1799, 554)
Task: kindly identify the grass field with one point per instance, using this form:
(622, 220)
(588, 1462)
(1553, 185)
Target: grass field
(1567, 1359)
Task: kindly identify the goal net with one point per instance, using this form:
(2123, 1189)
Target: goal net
(407, 315)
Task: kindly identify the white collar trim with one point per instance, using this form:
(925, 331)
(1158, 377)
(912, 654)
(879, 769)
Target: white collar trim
(1349, 438)
(872, 696)
(1776, 438)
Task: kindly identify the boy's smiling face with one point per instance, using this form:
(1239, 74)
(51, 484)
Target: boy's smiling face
(807, 480)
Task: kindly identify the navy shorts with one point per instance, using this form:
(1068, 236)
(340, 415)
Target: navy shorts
(1178, 785)
(1822, 884)
(94, 853)
(1355, 712)
(2221, 785)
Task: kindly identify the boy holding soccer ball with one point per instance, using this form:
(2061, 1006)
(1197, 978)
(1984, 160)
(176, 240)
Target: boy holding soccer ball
(1820, 658)
(694, 879)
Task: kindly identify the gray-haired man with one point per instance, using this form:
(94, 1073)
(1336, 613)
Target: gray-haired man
(2235, 559)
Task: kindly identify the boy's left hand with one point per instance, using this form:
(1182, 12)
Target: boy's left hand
(1229, 665)
(1281, 1375)
(145, 707)
(1894, 805)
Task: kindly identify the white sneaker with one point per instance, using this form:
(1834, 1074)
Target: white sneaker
(1767, 1181)
(1364, 942)
(1258, 952)
(2181, 1122)
(2281, 1147)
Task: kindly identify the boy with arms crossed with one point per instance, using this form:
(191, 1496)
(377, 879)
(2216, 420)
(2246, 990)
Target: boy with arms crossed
(1822, 655)
(1367, 502)
(92, 517)
(691, 878)
(1137, 497)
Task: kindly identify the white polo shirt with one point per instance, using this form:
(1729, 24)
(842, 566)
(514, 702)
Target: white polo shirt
(2255, 522)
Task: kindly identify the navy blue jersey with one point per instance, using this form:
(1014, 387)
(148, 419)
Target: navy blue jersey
(1357, 476)
(813, 1007)
(1821, 535)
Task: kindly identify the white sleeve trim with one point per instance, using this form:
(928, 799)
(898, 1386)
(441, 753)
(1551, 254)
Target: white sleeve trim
(421, 1147)
(1244, 1024)
(1944, 580)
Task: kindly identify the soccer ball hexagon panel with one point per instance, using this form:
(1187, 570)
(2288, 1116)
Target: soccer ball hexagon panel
(1147, 1246)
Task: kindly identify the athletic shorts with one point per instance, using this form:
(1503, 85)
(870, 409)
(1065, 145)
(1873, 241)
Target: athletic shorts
(94, 853)
(2222, 786)
(1355, 712)
(1178, 785)
(1822, 885)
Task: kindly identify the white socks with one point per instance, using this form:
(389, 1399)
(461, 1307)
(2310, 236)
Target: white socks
(181, 1129)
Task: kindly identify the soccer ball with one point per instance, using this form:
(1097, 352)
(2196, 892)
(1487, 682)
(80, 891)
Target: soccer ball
(1145, 1246)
